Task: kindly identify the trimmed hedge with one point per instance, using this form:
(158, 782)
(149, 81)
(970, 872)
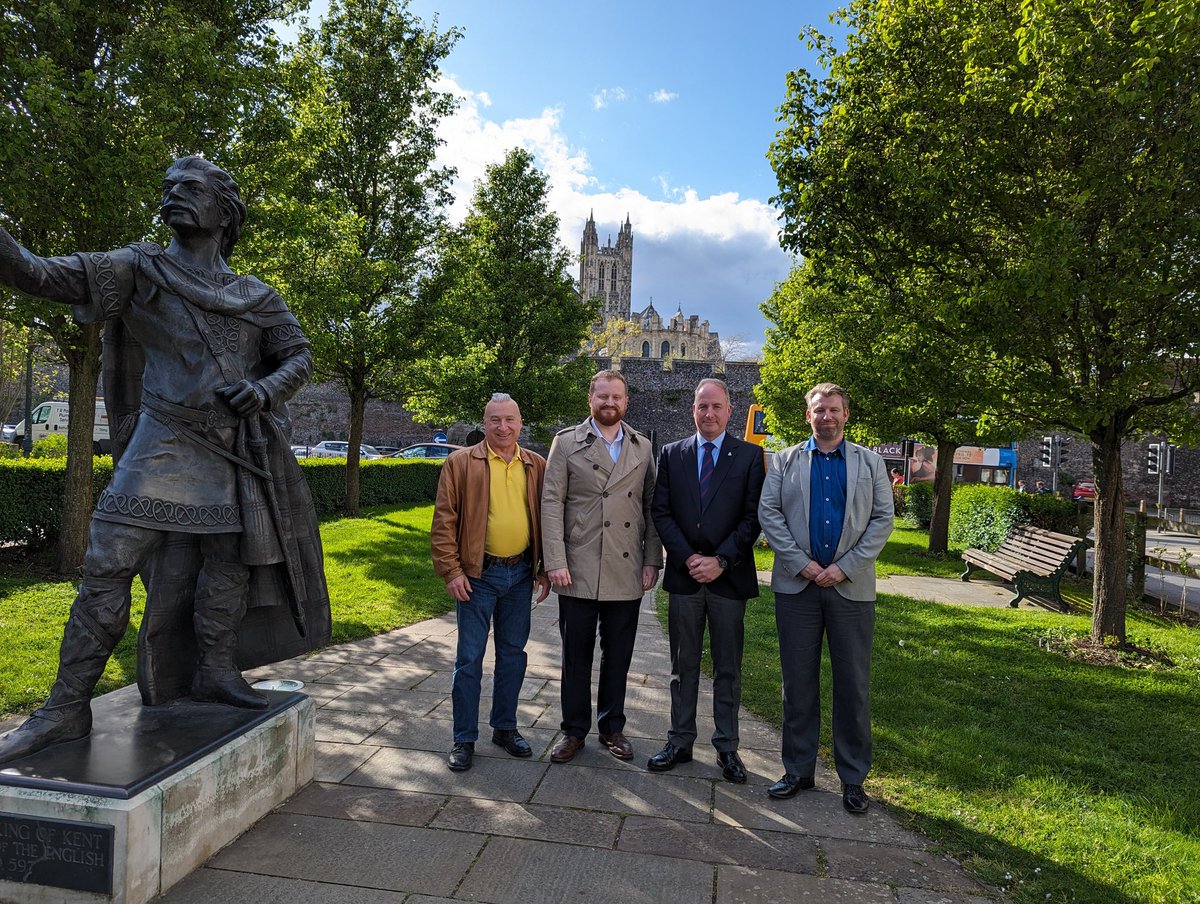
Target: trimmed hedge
(31, 490)
(982, 516)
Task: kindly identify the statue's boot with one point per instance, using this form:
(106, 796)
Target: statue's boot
(98, 620)
(219, 608)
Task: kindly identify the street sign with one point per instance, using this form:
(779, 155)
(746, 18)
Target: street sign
(440, 437)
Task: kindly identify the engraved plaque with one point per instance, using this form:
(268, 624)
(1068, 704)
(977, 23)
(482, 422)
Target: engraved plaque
(56, 852)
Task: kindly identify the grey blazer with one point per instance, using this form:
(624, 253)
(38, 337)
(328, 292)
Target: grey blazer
(870, 511)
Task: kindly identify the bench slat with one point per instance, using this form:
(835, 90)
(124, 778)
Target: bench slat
(1032, 559)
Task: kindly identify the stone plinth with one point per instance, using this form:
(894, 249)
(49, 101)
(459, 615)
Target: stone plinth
(126, 813)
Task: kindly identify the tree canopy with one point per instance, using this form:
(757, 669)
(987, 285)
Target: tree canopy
(1032, 159)
(503, 309)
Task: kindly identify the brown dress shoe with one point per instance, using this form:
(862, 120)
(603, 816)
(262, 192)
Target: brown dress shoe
(566, 749)
(618, 745)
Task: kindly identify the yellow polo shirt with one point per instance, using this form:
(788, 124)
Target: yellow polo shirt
(508, 509)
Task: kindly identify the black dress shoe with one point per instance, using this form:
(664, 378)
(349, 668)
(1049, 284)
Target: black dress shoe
(790, 785)
(731, 766)
(512, 742)
(854, 799)
(461, 755)
(668, 758)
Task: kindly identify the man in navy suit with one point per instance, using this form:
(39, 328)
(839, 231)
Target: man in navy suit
(706, 512)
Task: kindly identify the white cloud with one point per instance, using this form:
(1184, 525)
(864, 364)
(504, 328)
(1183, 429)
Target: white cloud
(663, 96)
(717, 256)
(606, 96)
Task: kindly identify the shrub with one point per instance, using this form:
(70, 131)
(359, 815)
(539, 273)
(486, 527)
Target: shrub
(1051, 513)
(384, 482)
(918, 504)
(52, 446)
(982, 516)
(9, 451)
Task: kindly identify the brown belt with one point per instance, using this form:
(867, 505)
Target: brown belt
(508, 561)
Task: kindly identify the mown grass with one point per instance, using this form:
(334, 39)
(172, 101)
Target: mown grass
(1054, 779)
(379, 578)
(907, 552)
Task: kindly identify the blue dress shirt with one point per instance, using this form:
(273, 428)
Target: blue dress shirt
(614, 448)
(827, 500)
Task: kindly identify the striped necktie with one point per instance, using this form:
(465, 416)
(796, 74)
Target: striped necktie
(706, 469)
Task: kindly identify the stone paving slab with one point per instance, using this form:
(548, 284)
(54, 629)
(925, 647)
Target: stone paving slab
(720, 844)
(366, 854)
(306, 670)
(443, 682)
(397, 703)
(208, 885)
(740, 885)
(438, 735)
(402, 808)
(429, 653)
(517, 871)
(529, 712)
(379, 676)
(322, 693)
(333, 762)
(926, 896)
(512, 820)
(817, 812)
(348, 727)
(895, 865)
(636, 792)
(491, 778)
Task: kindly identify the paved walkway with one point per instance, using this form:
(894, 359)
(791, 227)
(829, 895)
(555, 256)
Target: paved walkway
(386, 821)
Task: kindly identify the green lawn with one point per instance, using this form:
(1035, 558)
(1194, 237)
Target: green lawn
(379, 573)
(1057, 780)
(907, 552)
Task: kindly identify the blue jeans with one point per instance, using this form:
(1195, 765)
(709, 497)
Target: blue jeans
(501, 597)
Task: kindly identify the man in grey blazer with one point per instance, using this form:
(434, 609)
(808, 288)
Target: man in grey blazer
(827, 510)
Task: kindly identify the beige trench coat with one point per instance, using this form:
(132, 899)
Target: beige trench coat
(596, 514)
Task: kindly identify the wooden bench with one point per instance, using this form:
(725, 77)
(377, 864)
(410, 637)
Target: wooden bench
(1031, 559)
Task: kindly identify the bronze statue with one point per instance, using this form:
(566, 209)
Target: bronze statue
(206, 501)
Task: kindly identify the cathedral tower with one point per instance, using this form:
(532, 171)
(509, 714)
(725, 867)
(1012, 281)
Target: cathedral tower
(606, 272)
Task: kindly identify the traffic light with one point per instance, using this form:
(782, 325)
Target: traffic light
(1152, 459)
(1064, 443)
(1047, 457)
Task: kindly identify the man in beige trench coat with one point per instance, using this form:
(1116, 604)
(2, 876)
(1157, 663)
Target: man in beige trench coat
(601, 554)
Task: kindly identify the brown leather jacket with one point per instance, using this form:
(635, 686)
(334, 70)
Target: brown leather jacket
(460, 515)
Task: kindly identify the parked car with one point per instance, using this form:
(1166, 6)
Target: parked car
(300, 451)
(336, 448)
(427, 450)
(387, 451)
(9, 433)
(1084, 491)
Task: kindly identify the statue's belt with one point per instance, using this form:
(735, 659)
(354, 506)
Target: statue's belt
(177, 417)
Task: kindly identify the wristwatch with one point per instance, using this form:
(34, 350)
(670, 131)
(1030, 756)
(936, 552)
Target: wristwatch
(723, 562)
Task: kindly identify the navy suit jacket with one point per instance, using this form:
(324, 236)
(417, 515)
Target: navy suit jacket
(727, 523)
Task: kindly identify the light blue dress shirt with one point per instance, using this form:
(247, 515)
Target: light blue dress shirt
(614, 448)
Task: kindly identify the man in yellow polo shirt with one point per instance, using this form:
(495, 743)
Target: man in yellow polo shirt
(490, 560)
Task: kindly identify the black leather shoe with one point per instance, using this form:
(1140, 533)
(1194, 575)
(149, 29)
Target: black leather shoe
(790, 785)
(460, 758)
(854, 799)
(668, 758)
(731, 766)
(512, 742)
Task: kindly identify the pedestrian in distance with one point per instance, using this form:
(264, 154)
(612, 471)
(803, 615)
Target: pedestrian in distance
(706, 512)
(602, 554)
(826, 510)
(486, 542)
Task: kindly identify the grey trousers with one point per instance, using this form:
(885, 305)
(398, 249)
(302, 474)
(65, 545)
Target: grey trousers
(803, 620)
(687, 613)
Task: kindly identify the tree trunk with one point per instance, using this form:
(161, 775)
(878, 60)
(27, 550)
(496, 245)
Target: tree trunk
(358, 407)
(83, 360)
(1109, 586)
(943, 483)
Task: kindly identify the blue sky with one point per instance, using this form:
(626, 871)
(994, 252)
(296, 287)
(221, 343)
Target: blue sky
(662, 111)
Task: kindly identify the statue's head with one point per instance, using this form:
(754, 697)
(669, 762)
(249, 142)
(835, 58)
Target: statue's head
(224, 188)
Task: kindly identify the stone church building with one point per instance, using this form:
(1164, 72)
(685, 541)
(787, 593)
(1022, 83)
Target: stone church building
(606, 272)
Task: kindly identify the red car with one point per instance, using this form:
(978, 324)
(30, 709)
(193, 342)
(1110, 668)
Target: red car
(1084, 491)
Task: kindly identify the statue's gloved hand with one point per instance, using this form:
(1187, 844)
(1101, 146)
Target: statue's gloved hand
(244, 397)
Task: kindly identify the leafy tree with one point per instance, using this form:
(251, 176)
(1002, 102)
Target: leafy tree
(843, 330)
(353, 202)
(98, 98)
(1030, 159)
(15, 343)
(503, 313)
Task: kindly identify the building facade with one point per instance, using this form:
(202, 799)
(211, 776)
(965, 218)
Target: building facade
(606, 273)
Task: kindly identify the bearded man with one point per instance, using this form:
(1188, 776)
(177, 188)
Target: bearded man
(602, 554)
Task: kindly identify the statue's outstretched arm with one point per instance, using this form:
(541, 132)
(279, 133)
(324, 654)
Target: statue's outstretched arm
(55, 278)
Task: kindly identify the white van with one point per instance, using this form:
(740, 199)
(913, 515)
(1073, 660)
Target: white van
(50, 418)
